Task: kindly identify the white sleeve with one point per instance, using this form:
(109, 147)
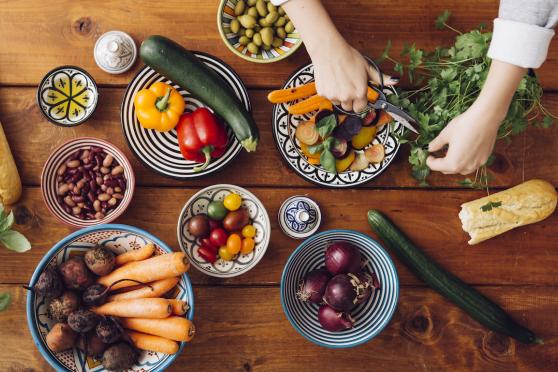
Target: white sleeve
(278, 2)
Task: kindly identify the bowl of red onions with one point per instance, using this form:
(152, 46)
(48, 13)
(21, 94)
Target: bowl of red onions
(339, 288)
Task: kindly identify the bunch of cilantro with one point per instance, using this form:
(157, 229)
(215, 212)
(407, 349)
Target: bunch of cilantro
(447, 82)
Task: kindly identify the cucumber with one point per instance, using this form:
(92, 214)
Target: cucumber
(466, 297)
(185, 69)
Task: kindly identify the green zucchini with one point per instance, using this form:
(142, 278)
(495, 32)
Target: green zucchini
(185, 69)
(467, 298)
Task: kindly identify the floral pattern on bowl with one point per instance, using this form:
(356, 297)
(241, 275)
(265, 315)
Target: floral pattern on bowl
(120, 239)
(198, 205)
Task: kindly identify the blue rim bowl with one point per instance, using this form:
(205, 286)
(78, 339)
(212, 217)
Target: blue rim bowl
(32, 320)
(371, 317)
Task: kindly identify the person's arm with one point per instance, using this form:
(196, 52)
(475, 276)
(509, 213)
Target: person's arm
(341, 72)
(521, 38)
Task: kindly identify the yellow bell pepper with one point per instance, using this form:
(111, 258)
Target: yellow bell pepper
(159, 107)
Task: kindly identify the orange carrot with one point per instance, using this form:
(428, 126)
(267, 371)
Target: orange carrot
(290, 94)
(136, 308)
(176, 328)
(156, 268)
(153, 343)
(158, 289)
(383, 119)
(310, 104)
(135, 255)
(179, 307)
(372, 95)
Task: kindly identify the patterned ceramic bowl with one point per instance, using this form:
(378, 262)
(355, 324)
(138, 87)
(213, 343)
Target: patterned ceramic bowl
(118, 238)
(67, 96)
(49, 183)
(225, 14)
(198, 205)
(371, 317)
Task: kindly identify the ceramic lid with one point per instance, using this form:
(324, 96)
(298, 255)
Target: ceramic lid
(115, 52)
(299, 217)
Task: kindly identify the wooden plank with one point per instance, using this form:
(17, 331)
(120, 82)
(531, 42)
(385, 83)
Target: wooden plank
(520, 257)
(33, 138)
(36, 36)
(426, 333)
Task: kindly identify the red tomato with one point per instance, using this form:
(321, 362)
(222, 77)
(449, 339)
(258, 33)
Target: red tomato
(206, 242)
(213, 224)
(218, 237)
(207, 254)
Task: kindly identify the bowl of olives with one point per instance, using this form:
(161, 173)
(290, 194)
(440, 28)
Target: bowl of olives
(65, 290)
(257, 30)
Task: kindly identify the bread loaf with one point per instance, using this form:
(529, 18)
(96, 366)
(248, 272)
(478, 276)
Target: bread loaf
(10, 184)
(526, 203)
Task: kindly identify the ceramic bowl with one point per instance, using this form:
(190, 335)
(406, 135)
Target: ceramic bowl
(371, 317)
(49, 184)
(119, 239)
(67, 96)
(198, 205)
(225, 14)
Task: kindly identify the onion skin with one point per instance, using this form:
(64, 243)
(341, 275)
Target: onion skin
(334, 321)
(343, 258)
(340, 293)
(313, 287)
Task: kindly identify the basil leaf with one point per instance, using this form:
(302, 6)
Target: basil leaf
(5, 299)
(2, 215)
(328, 161)
(316, 148)
(15, 241)
(326, 125)
(7, 222)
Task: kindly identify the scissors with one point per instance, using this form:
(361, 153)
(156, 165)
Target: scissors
(382, 104)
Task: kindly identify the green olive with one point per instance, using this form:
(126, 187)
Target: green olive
(243, 40)
(242, 31)
(281, 11)
(289, 27)
(257, 39)
(235, 26)
(253, 12)
(239, 7)
(261, 7)
(271, 7)
(247, 21)
(257, 27)
(263, 22)
(280, 31)
(280, 22)
(267, 35)
(271, 17)
(252, 48)
(252, 2)
(277, 42)
(250, 33)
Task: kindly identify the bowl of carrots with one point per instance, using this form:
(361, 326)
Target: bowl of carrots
(111, 297)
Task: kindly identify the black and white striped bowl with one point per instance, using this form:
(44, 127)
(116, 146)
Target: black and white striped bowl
(59, 156)
(159, 151)
(371, 316)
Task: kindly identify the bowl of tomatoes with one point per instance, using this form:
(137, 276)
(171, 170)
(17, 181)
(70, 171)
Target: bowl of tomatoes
(224, 229)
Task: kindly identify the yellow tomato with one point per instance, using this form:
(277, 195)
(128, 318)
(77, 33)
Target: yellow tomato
(234, 243)
(224, 254)
(248, 245)
(232, 202)
(248, 231)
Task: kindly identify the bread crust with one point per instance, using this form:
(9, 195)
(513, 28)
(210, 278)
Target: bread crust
(10, 183)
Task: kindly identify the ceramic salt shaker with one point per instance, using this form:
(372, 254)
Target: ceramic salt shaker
(115, 52)
(299, 217)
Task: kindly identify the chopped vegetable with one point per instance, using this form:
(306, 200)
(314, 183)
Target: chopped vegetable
(135, 255)
(310, 104)
(307, 133)
(341, 165)
(364, 137)
(375, 153)
(360, 163)
(291, 94)
(176, 328)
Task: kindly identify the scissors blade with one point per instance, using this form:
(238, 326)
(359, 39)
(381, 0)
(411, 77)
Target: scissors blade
(397, 113)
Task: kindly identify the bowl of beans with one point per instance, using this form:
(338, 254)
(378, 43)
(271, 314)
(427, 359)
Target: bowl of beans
(87, 181)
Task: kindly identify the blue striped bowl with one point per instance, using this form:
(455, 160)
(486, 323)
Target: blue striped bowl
(371, 317)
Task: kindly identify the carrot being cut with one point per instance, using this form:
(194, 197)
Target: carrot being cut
(179, 307)
(291, 94)
(310, 104)
(176, 328)
(158, 289)
(156, 268)
(136, 308)
(383, 119)
(372, 95)
(152, 343)
(135, 255)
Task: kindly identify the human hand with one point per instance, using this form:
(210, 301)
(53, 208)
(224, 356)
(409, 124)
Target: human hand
(470, 137)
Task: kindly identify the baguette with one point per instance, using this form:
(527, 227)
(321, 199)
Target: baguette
(529, 202)
(10, 183)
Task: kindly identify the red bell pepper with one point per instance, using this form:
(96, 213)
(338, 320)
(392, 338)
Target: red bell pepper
(201, 137)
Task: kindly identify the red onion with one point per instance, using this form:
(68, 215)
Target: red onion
(313, 286)
(334, 321)
(343, 258)
(345, 291)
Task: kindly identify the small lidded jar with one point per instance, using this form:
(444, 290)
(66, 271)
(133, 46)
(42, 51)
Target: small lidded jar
(115, 52)
(299, 217)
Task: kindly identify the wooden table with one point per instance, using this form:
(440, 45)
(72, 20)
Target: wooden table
(240, 321)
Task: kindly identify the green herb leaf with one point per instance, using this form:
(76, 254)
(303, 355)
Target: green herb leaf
(5, 300)
(327, 160)
(326, 125)
(398, 68)
(488, 206)
(466, 182)
(7, 222)
(2, 215)
(547, 122)
(442, 19)
(315, 148)
(385, 53)
(15, 241)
